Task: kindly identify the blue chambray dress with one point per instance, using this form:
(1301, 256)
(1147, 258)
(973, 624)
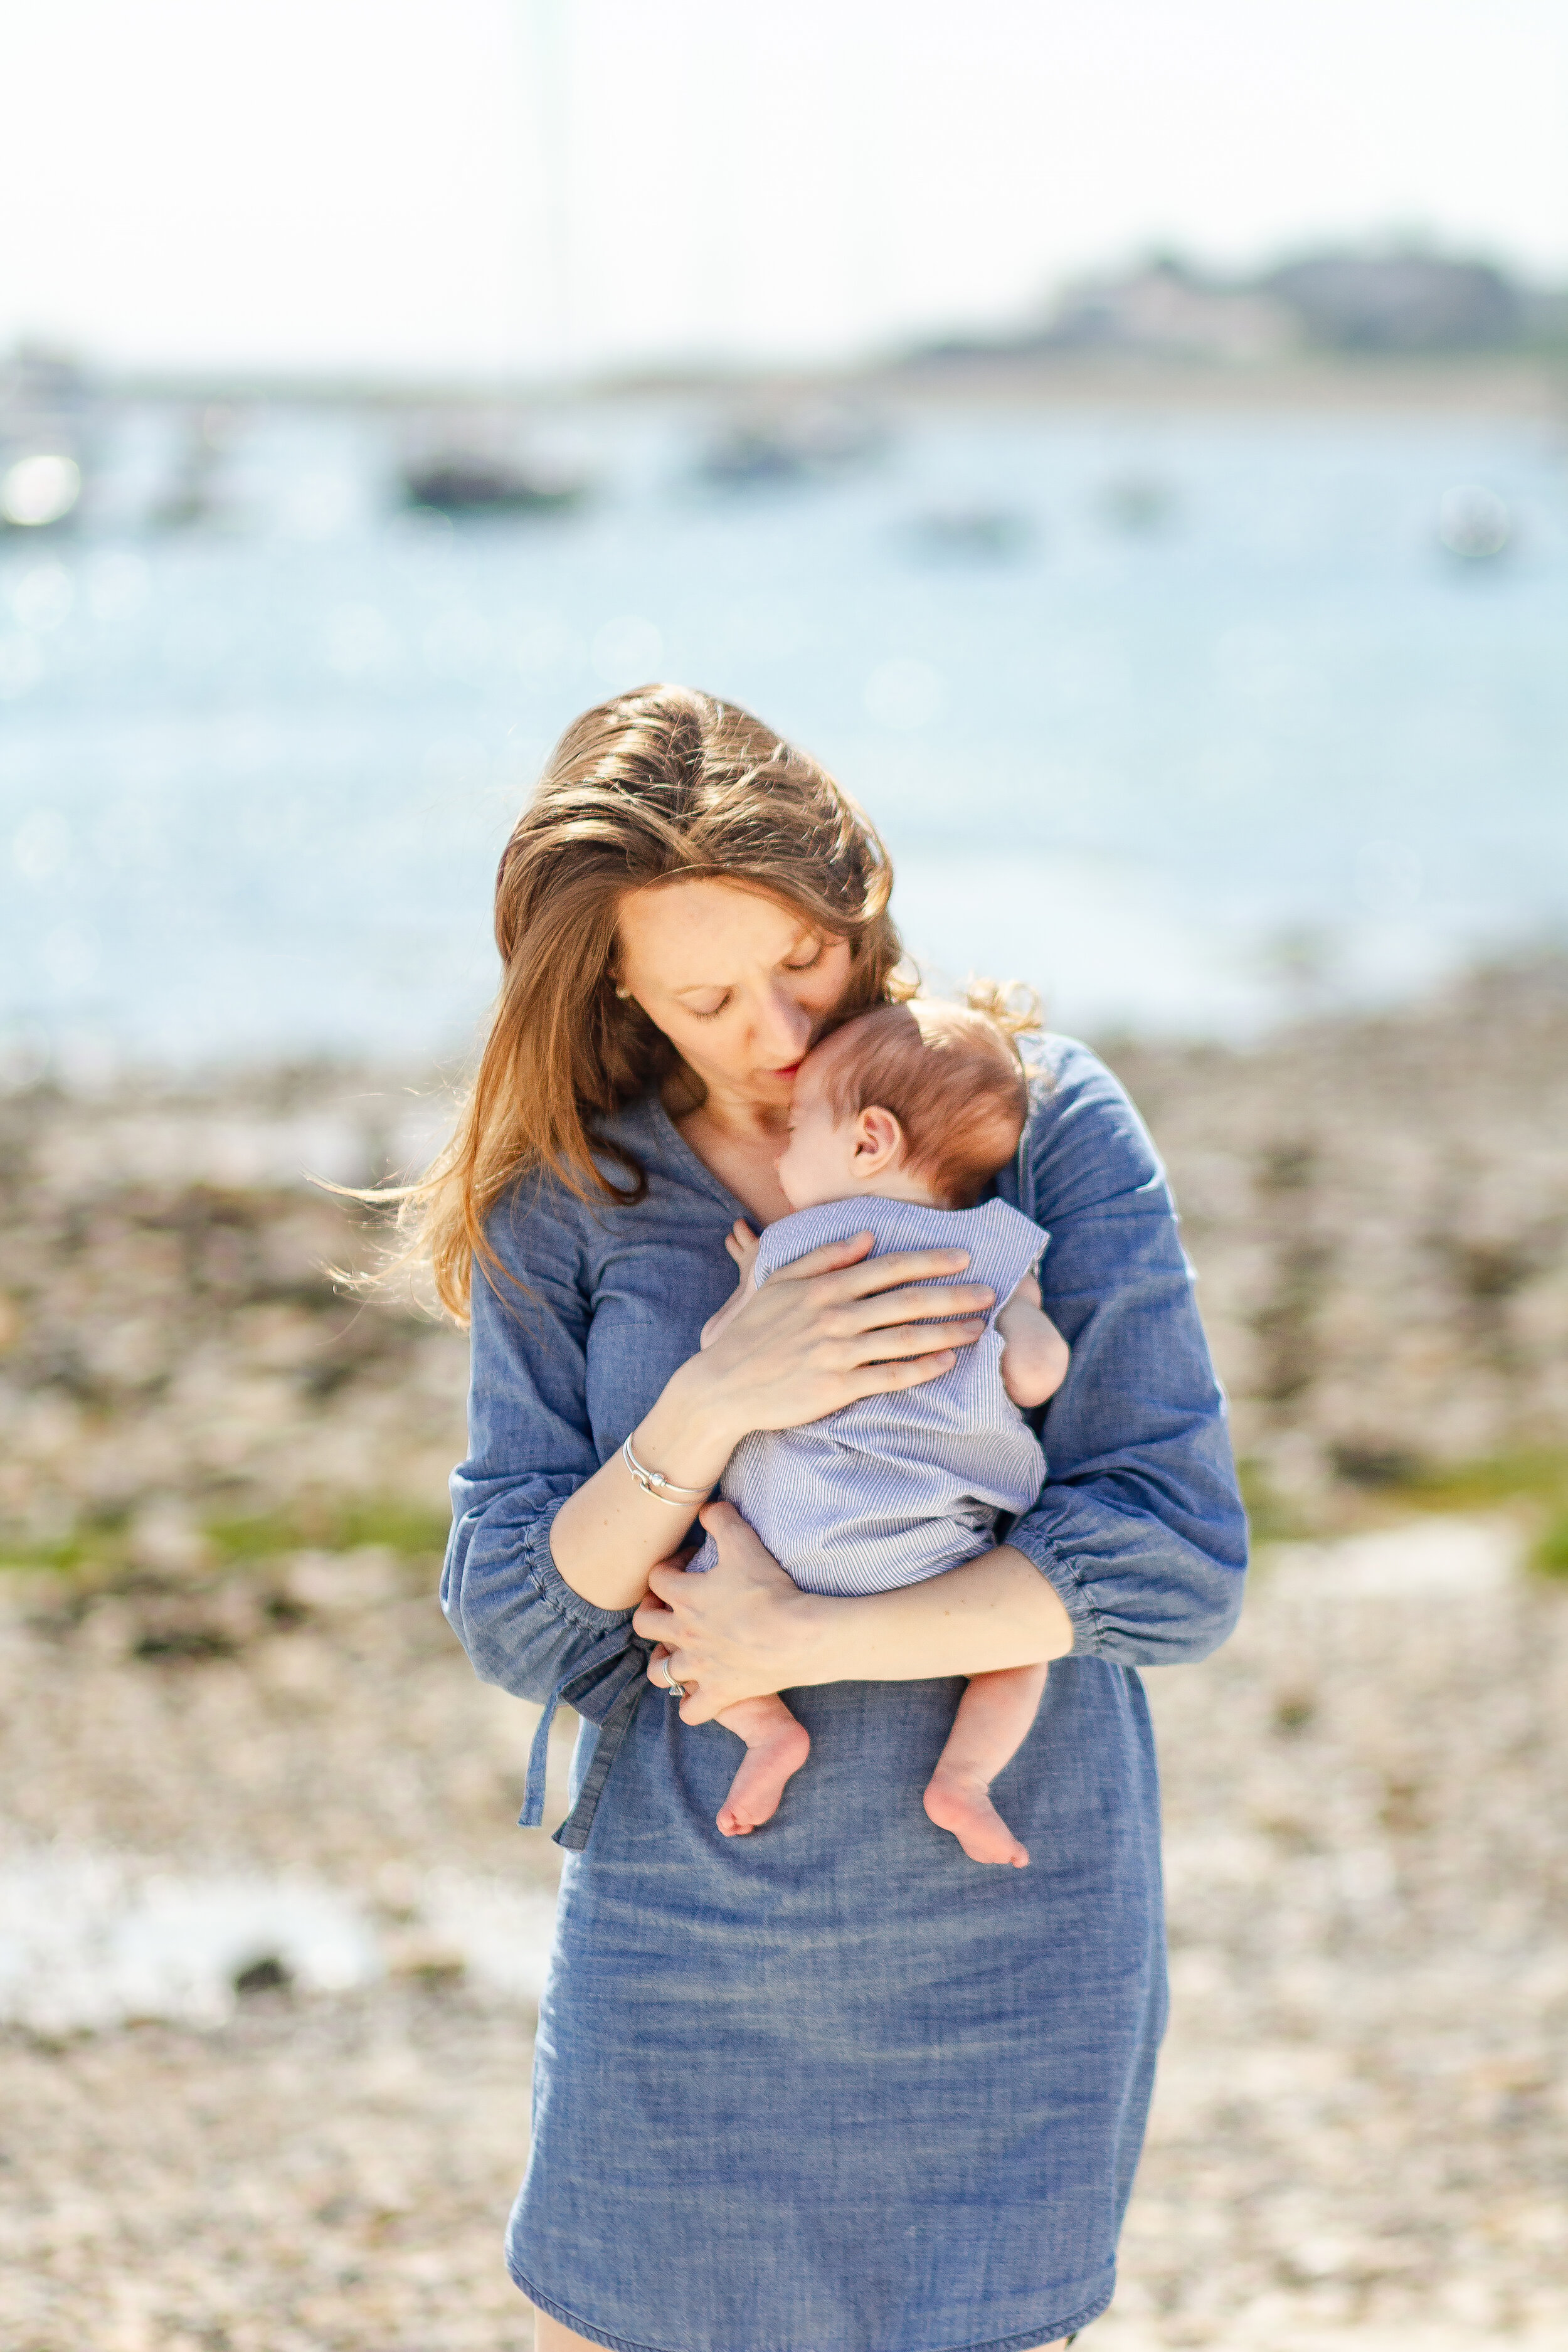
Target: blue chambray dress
(835, 2087)
(895, 1488)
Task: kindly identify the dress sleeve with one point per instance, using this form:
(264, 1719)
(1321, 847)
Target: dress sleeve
(530, 1446)
(1138, 1525)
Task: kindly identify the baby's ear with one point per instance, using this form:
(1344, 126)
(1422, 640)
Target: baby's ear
(878, 1136)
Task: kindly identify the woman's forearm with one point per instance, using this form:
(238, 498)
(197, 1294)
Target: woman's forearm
(995, 1610)
(607, 1536)
(746, 1628)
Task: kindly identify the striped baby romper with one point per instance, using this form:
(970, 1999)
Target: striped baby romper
(899, 1488)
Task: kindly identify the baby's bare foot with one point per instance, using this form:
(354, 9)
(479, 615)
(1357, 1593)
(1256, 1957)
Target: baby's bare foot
(964, 1806)
(766, 1769)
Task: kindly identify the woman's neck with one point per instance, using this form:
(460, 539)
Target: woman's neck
(738, 1140)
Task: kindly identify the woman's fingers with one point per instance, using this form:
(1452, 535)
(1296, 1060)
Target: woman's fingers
(832, 1257)
(667, 1578)
(859, 1274)
(897, 1266)
(662, 1669)
(654, 1623)
(879, 1347)
(881, 1380)
(731, 1532)
(869, 1310)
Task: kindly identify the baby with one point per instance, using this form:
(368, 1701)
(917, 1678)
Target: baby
(897, 1123)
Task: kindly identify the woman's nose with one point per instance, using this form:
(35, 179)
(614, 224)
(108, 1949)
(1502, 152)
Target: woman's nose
(791, 1024)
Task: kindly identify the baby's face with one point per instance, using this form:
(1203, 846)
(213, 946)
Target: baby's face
(818, 1163)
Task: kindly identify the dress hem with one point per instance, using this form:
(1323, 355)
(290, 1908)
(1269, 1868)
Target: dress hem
(1027, 2340)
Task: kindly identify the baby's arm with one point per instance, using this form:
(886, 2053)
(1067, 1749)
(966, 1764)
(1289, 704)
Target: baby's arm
(742, 1244)
(1034, 1353)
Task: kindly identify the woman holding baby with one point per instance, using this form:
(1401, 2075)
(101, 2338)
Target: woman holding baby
(819, 2077)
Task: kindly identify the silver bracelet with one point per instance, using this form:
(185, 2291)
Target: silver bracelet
(655, 1482)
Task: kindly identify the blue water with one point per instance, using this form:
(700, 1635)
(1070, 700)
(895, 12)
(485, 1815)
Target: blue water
(254, 775)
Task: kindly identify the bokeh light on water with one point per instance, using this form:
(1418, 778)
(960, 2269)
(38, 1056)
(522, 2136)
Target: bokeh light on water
(1199, 689)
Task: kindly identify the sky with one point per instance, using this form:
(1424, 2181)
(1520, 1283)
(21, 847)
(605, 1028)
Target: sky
(480, 189)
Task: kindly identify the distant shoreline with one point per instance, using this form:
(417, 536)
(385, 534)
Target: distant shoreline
(1486, 385)
(1520, 385)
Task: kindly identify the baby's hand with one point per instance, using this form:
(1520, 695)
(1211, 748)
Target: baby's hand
(742, 1244)
(1034, 1353)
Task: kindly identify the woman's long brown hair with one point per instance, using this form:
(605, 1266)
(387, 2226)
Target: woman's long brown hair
(659, 785)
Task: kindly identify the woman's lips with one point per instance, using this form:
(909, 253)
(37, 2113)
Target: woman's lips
(788, 1071)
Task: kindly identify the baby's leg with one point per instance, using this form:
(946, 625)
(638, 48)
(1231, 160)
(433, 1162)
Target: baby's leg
(992, 1724)
(776, 1747)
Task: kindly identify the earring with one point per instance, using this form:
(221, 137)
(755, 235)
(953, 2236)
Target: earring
(624, 994)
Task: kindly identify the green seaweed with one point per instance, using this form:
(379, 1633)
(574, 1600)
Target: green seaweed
(332, 1524)
(102, 1547)
(1550, 1554)
(1535, 1477)
(1271, 1518)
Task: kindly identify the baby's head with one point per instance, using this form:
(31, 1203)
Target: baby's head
(921, 1102)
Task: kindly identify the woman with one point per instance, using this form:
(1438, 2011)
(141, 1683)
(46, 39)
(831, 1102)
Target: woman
(835, 2087)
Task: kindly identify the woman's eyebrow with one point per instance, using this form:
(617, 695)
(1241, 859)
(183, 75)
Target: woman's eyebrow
(803, 938)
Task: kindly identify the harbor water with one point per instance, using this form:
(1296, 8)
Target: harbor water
(1185, 719)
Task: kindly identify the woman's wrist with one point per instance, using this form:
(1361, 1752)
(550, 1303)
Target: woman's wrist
(689, 1434)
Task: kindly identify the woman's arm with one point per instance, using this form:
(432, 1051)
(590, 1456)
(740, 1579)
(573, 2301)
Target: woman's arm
(530, 1447)
(833, 1326)
(745, 1627)
(1140, 1526)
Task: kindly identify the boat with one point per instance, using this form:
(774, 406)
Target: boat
(977, 533)
(477, 482)
(764, 449)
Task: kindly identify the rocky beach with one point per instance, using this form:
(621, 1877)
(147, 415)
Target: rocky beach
(269, 1946)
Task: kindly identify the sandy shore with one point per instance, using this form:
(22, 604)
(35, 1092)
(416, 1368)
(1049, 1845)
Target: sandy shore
(1523, 386)
(269, 1943)
(1361, 2122)
(1377, 1209)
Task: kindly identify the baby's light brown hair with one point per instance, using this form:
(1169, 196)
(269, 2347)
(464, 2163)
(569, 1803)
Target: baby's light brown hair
(953, 1079)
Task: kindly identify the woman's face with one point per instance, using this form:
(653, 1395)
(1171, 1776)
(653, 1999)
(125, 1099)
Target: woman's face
(739, 984)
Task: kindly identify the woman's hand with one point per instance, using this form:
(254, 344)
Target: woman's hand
(744, 1628)
(740, 1630)
(837, 1326)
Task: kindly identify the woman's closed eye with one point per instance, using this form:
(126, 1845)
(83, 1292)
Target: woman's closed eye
(711, 1011)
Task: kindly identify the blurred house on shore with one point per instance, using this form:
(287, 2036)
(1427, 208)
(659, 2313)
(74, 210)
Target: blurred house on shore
(1400, 302)
(1350, 301)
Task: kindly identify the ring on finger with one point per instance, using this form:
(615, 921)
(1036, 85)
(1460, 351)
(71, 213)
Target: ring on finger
(676, 1690)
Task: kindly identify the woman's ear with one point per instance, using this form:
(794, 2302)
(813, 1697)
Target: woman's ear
(878, 1139)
